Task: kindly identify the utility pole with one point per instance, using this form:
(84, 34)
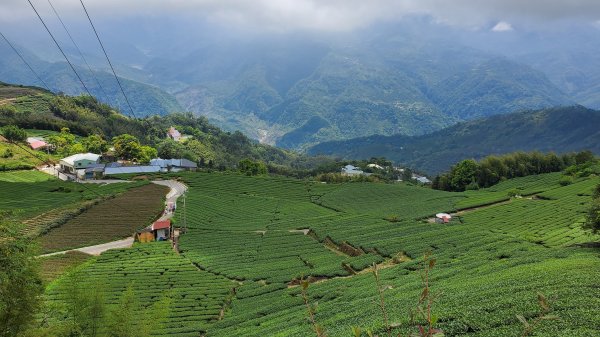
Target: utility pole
(184, 214)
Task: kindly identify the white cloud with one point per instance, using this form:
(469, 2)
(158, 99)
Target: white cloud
(502, 26)
(328, 15)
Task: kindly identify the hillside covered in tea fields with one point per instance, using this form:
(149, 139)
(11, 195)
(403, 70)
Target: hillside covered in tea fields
(249, 241)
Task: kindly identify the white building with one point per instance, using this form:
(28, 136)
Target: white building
(351, 170)
(379, 167)
(79, 161)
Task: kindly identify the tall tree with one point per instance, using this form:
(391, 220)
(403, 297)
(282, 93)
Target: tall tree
(463, 174)
(127, 147)
(123, 317)
(20, 281)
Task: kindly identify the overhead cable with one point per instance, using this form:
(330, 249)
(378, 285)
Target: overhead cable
(59, 48)
(107, 58)
(25, 61)
(78, 49)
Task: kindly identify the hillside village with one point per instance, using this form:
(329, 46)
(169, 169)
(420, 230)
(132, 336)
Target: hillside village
(93, 166)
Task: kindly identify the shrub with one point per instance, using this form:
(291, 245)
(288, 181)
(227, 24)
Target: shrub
(7, 153)
(565, 180)
(14, 133)
(513, 193)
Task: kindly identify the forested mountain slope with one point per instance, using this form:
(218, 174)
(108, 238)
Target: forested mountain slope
(558, 129)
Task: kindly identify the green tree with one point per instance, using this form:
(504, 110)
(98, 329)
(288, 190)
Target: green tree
(463, 174)
(252, 168)
(592, 220)
(200, 150)
(63, 142)
(584, 157)
(170, 149)
(75, 148)
(14, 134)
(596, 192)
(147, 153)
(20, 281)
(85, 306)
(123, 317)
(127, 147)
(95, 144)
(406, 174)
(8, 111)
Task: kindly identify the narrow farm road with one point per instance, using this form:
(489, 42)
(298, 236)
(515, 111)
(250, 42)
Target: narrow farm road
(97, 249)
(176, 190)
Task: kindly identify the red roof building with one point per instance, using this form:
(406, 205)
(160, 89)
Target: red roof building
(37, 144)
(161, 224)
(174, 134)
(162, 230)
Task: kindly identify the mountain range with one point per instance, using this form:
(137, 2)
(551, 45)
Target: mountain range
(557, 130)
(296, 90)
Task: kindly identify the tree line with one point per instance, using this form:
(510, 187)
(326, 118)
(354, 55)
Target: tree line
(470, 174)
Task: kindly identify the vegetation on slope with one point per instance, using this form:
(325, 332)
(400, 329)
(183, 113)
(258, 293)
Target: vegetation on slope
(491, 261)
(109, 220)
(41, 202)
(483, 265)
(558, 129)
(85, 116)
(301, 93)
(472, 175)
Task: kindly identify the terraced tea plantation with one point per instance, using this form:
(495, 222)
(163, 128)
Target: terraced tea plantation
(153, 271)
(111, 219)
(249, 240)
(39, 199)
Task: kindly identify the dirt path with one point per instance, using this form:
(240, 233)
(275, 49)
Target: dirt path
(177, 189)
(97, 249)
(472, 209)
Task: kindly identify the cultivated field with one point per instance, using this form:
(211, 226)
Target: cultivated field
(54, 266)
(153, 271)
(250, 239)
(41, 202)
(111, 219)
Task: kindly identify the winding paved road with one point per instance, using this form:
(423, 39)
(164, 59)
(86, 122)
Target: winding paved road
(177, 189)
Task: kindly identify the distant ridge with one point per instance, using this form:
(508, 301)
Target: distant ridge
(561, 129)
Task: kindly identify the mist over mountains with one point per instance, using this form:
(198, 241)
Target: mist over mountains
(297, 89)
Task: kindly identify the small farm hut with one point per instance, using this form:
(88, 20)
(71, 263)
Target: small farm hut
(162, 230)
(443, 218)
(144, 235)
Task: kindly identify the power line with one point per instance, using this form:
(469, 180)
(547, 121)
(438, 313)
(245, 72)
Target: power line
(77, 47)
(24, 61)
(59, 48)
(107, 58)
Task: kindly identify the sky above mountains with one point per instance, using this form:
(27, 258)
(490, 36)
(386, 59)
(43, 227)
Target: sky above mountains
(325, 15)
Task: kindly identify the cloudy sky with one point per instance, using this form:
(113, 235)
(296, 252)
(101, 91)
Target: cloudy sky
(325, 15)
